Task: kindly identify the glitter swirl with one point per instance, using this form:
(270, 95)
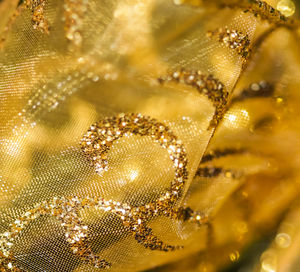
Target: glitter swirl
(96, 144)
(207, 85)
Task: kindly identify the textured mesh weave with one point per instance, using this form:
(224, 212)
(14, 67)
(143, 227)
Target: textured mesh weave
(51, 92)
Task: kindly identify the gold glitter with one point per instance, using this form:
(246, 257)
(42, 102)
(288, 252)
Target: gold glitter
(258, 8)
(73, 15)
(101, 135)
(38, 17)
(205, 84)
(210, 172)
(187, 214)
(216, 154)
(266, 12)
(38, 20)
(233, 39)
(95, 144)
(8, 264)
(66, 210)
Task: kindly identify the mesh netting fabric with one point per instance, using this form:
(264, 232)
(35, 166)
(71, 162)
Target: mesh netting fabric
(54, 86)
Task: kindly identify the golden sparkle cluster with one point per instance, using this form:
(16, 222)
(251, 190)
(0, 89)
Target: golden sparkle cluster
(206, 85)
(233, 39)
(95, 145)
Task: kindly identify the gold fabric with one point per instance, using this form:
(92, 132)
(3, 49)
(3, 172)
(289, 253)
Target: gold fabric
(223, 81)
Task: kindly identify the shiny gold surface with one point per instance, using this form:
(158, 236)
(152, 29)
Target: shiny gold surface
(221, 75)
